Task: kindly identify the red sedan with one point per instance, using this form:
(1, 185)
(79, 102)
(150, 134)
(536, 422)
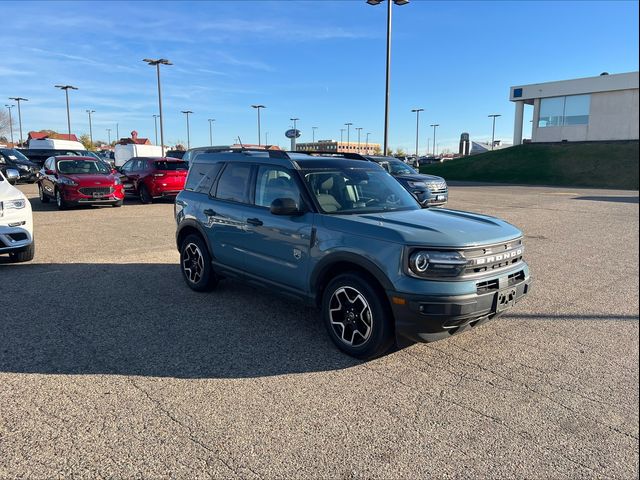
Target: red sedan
(154, 177)
(79, 181)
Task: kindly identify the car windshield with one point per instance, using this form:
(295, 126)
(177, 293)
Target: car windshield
(79, 167)
(14, 155)
(396, 167)
(164, 165)
(357, 190)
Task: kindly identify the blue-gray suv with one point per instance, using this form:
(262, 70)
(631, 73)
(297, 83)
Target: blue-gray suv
(345, 236)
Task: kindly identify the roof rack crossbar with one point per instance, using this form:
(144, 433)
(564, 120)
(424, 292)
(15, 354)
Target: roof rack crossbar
(349, 155)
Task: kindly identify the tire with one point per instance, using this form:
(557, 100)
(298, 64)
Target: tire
(195, 264)
(25, 255)
(145, 195)
(357, 316)
(43, 196)
(61, 204)
(118, 203)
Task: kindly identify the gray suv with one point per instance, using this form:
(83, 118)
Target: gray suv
(345, 236)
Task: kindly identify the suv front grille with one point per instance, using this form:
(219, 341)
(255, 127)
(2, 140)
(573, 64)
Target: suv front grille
(439, 187)
(493, 257)
(96, 190)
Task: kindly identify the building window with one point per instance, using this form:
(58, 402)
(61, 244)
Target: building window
(559, 111)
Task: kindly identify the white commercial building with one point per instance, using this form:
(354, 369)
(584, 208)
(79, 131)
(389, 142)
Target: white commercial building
(585, 109)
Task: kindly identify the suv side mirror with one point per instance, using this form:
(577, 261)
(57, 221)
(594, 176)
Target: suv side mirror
(48, 172)
(12, 174)
(285, 206)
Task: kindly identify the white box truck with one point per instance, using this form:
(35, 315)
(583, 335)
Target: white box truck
(123, 153)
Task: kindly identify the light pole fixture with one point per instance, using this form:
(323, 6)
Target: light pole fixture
(348, 125)
(359, 129)
(417, 112)
(109, 136)
(388, 71)
(258, 107)
(187, 112)
(155, 124)
(211, 120)
(157, 63)
(493, 131)
(66, 89)
(434, 125)
(90, 127)
(295, 128)
(18, 100)
(313, 134)
(9, 107)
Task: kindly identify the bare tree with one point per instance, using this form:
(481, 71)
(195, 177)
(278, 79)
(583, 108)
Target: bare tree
(4, 124)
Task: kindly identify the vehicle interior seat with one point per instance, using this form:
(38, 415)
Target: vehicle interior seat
(325, 198)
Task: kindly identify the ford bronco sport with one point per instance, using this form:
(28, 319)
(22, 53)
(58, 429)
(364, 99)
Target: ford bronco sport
(345, 236)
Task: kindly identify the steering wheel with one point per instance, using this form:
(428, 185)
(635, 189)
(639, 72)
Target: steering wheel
(393, 199)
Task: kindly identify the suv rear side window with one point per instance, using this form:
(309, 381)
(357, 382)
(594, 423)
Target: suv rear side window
(201, 177)
(234, 183)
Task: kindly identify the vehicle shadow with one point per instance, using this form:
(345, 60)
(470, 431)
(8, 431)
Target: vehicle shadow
(38, 206)
(141, 319)
(606, 198)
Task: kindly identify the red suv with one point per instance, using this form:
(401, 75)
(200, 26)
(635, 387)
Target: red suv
(151, 178)
(79, 181)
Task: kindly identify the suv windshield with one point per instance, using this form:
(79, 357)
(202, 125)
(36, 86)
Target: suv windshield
(163, 165)
(79, 167)
(357, 190)
(396, 167)
(14, 155)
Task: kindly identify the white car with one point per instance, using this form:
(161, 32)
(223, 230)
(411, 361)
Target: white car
(16, 221)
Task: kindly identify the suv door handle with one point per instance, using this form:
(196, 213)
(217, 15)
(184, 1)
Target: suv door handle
(209, 213)
(254, 221)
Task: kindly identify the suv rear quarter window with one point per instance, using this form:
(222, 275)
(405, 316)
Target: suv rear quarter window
(201, 177)
(233, 184)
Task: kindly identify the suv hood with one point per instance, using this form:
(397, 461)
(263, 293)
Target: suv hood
(9, 192)
(435, 227)
(420, 178)
(86, 180)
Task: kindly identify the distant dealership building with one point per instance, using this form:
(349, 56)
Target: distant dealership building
(585, 109)
(336, 146)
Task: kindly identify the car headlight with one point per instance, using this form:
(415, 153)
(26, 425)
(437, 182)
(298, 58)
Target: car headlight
(417, 184)
(117, 181)
(431, 263)
(22, 167)
(17, 203)
(67, 181)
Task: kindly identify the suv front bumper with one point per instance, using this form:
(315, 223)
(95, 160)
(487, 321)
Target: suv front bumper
(425, 318)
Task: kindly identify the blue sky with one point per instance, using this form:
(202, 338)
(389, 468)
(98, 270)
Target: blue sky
(321, 61)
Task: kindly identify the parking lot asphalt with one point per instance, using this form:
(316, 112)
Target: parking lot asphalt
(111, 367)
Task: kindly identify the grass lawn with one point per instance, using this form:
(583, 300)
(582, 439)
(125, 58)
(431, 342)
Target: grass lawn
(602, 165)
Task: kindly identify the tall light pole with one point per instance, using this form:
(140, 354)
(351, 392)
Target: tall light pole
(18, 100)
(211, 120)
(341, 134)
(109, 136)
(434, 125)
(118, 131)
(90, 127)
(9, 107)
(348, 125)
(157, 63)
(258, 107)
(295, 128)
(66, 89)
(266, 138)
(155, 124)
(313, 134)
(366, 148)
(493, 131)
(359, 129)
(187, 112)
(388, 74)
(417, 112)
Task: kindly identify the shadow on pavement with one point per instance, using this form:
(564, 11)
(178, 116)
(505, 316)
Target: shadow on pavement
(141, 319)
(576, 316)
(606, 198)
(38, 206)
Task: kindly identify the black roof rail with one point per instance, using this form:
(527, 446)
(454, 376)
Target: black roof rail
(349, 155)
(231, 149)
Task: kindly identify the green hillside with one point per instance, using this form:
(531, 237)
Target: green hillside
(601, 165)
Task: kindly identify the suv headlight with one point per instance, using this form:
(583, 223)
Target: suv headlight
(417, 184)
(432, 263)
(116, 181)
(67, 181)
(20, 166)
(17, 203)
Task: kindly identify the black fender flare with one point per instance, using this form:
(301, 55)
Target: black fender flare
(190, 223)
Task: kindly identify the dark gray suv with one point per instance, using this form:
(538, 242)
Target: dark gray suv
(345, 236)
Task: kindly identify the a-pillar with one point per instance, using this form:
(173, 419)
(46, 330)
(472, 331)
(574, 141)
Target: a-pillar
(517, 123)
